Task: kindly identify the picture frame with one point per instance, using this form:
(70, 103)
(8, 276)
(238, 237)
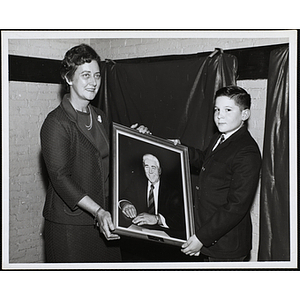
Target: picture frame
(129, 186)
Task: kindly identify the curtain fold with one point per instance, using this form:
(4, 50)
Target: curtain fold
(172, 95)
(197, 125)
(274, 240)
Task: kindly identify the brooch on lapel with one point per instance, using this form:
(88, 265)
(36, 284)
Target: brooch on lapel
(99, 119)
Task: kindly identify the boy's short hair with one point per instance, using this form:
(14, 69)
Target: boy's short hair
(239, 95)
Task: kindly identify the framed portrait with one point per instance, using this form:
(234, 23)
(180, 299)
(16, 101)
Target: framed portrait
(151, 187)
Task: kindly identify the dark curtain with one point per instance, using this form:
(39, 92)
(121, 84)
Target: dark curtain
(274, 244)
(171, 95)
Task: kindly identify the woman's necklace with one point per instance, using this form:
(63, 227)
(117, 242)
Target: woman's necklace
(89, 127)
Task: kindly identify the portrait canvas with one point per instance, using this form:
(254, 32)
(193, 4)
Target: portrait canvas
(129, 185)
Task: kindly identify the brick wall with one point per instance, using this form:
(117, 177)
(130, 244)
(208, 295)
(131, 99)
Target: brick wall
(143, 47)
(46, 48)
(256, 125)
(29, 103)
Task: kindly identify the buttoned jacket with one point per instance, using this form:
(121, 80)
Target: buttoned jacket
(73, 163)
(226, 188)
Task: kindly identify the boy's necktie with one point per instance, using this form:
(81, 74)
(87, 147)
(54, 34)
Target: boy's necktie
(151, 200)
(219, 142)
(222, 139)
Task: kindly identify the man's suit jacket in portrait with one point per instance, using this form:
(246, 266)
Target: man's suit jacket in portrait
(170, 204)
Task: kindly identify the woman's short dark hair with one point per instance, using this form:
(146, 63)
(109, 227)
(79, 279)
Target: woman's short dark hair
(75, 57)
(238, 94)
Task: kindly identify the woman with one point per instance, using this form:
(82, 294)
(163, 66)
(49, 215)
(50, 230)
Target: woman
(75, 147)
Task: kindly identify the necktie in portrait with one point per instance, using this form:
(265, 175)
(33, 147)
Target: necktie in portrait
(151, 200)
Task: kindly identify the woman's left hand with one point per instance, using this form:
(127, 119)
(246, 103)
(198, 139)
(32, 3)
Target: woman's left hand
(141, 128)
(106, 225)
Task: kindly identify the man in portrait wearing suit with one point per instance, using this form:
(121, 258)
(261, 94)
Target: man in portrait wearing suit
(151, 202)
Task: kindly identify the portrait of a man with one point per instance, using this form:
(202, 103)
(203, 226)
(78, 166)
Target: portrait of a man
(151, 188)
(152, 201)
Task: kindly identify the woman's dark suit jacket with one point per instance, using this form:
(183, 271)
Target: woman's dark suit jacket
(225, 192)
(74, 165)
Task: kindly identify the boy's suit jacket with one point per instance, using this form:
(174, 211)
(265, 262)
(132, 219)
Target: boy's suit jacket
(226, 188)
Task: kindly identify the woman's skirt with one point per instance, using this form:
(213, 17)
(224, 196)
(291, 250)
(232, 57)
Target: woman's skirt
(78, 244)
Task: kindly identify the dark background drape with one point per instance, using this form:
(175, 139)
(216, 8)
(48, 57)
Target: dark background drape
(171, 95)
(274, 244)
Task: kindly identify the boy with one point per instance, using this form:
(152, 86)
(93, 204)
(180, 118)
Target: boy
(229, 173)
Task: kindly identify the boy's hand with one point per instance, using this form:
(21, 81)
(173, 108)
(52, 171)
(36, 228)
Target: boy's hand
(192, 247)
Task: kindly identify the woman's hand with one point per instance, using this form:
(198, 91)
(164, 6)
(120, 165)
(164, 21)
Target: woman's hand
(106, 225)
(145, 219)
(175, 141)
(192, 247)
(141, 128)
(102, 216)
